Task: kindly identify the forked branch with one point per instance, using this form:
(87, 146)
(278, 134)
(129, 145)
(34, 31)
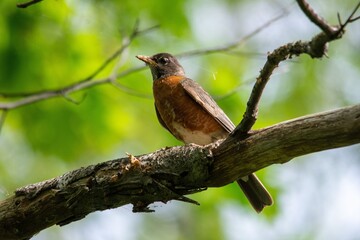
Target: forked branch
(315, 48)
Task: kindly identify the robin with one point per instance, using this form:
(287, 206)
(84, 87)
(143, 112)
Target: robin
(192, 116)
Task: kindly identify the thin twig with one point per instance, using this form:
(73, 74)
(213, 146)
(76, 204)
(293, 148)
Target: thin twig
(64, 91)
(125, 44)
(129, 90)
(72, 100)
(88, 82)
(236, 44)
(350, 19)
(233, 90)
(51, 94)
(333, 32)
(27, 4)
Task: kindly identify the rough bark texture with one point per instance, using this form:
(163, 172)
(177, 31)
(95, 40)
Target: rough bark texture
(170, 173)
(282, 142)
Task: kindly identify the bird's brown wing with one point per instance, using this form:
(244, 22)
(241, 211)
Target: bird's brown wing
(197, 93)
(161, 121)
(254, 190)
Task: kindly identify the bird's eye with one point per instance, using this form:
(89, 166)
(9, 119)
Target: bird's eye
(164, 60)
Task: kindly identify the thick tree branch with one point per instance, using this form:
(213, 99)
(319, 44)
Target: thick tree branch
(170, 173)
(282, 142)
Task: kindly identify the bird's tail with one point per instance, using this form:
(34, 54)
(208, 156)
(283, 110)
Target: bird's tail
(255, 192)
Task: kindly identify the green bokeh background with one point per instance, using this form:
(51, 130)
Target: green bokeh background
(55, 43)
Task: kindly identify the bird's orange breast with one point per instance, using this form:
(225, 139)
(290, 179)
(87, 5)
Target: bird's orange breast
(183, 116)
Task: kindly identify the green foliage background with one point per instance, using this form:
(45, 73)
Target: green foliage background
(56, 43)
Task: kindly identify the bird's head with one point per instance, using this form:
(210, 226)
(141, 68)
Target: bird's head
(162, 65)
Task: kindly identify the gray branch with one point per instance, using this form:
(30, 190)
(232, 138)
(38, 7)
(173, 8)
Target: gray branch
(170, 173)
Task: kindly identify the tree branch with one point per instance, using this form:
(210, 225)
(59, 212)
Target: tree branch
(282, 142)
(170, 173)
(29, 98)
(315, 18)
(315, 48)
(88, 82)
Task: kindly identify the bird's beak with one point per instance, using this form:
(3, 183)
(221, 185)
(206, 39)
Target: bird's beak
(146, 59)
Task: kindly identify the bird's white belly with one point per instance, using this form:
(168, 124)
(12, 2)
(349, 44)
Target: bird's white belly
(197, 137)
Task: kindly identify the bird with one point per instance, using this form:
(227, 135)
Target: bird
(191, 115)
